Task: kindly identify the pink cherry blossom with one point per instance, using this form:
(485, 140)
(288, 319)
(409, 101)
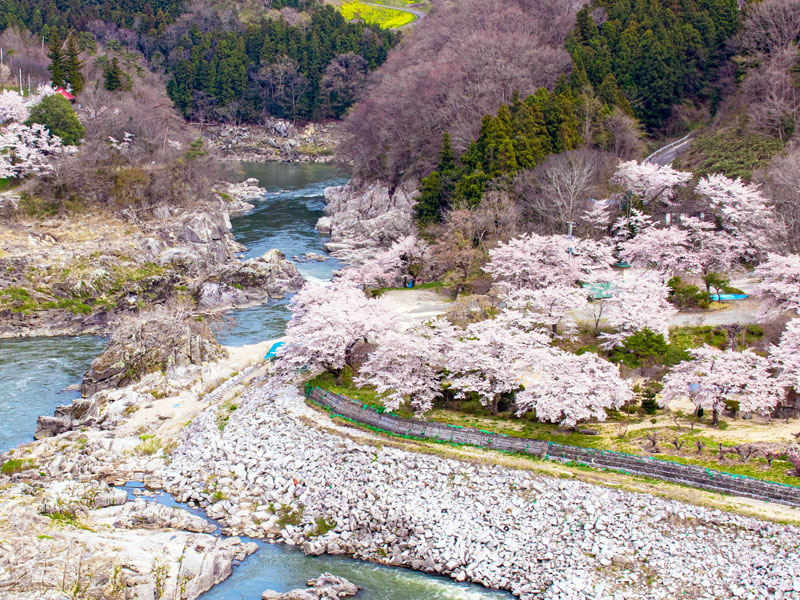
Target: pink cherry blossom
(568, 388)
(715, 376)
(650, 181)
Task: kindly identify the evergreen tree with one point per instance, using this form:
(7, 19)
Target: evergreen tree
(113, 75)
(56, 56)
(73, 66)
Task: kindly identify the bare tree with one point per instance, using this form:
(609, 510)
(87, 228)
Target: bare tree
(555, 193)
(772, 26)
(782, 184)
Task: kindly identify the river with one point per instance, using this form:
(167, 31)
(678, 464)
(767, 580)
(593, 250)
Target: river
(36, 370)
(284, 219)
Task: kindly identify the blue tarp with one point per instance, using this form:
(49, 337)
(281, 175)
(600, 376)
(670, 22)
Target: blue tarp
(728, 296)
(273, 351)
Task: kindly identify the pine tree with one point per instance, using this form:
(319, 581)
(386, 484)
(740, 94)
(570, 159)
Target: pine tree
(56, 57)
(73, 66)
(113, 75)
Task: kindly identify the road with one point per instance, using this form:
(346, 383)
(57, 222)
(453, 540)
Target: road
(666, 154)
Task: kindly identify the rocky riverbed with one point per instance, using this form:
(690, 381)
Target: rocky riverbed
(266, 465)
(277, 474)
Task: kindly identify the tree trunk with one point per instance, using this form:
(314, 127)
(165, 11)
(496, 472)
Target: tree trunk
(495, 402)
(715, 412)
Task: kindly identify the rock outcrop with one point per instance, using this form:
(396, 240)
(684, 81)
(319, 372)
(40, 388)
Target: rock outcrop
(362, 217)
(156, 341)
(86, 539)
(324, 587)
(252, 281)
(277, 140)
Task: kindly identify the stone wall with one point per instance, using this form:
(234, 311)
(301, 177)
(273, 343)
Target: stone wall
(694, 476)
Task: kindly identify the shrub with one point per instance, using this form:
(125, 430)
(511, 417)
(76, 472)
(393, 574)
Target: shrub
(55, 112)
(640, 348)
(686, 295)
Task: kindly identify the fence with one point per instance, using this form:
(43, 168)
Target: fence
(690, 475)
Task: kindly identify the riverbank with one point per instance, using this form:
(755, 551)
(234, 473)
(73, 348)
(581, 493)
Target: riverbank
(276, 141)
(267, 465)
(83, 274)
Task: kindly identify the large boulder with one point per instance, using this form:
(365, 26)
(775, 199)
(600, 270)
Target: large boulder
(324, 587)
(362, 217)
(155, 341)
(248, 282)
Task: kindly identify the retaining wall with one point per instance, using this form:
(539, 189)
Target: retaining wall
(691, 475)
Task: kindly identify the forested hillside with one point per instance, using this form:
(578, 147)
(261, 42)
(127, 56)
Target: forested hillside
(298, 59)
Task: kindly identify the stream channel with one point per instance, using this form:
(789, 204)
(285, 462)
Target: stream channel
(35, 372)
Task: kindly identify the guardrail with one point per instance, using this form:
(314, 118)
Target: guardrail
(668, 146)
(690, 475)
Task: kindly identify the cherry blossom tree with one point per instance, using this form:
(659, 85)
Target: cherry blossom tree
(666, 249)
(387, 268)
(569, 388)
(785, 357)
(328, 321)
(13, 107)
(26, 150)
(598, 218)
(638, 302)
(490, 357)
(715, 376)
(631, 225)
(536, 261)
(743, 212)
(650, 181)
(779, 287)
(408, 365)
(716, 250)
(549, 307)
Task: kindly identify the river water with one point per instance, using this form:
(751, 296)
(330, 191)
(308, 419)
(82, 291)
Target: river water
(284, 219)
(35, 371)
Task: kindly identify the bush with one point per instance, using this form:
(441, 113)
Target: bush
(55, 112)
(639, 348)
(686, 295)
(16, 465)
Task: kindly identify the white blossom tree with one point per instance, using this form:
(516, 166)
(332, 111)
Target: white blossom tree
(744, 213)
(551, 307)
(566, 388)
(328, 321)
(536, 261)
(490, 358)
(408, 365)
(779, 288)
(13, 107)
(639, 302)
(27, 150)
(715, 376)
(631, 225)
(598, 218)
(650, 181)
(387, 268)
(666, 249)
(785, 357)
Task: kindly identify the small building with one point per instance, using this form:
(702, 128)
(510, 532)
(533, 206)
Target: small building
(65, 93)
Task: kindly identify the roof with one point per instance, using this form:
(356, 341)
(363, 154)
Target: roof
(65, 93)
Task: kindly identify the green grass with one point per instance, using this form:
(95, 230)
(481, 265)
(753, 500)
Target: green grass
(735, 152)
(385, 18)
(16, 465)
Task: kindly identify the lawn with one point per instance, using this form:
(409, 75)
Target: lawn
(385, 18)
